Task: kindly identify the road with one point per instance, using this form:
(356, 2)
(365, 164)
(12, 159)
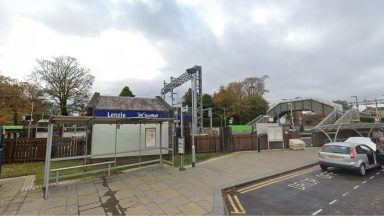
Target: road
(311, 192)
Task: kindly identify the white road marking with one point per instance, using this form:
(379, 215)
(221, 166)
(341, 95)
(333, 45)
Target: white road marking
(331, 203)
(364, 182)
(378, 173)
(345, 194)
(317, 212)
(357, 186)
(304, 184)
(372, 177)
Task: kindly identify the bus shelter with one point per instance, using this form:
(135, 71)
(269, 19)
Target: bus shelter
(79, 157)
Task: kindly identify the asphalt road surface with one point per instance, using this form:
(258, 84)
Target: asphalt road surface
(312, 192)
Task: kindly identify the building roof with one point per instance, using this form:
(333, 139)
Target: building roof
(101, 102)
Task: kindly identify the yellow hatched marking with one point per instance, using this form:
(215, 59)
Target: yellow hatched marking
(242, 211)
(232, 204)
(278, 179)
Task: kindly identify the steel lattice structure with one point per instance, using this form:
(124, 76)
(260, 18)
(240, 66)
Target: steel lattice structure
(195, 75)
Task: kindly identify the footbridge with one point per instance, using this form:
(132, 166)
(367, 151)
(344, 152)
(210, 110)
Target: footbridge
(282, 108)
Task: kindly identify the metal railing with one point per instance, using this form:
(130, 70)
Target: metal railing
(83, 173)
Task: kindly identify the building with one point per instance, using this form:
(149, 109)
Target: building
(131, 139)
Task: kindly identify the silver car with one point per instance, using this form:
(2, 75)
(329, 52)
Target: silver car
(347, 155)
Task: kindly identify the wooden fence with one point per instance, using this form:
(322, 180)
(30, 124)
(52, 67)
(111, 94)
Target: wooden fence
(238, 142)
(205, 144)
(32, 150)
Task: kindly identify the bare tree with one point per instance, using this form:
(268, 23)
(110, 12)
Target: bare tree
(64, 81)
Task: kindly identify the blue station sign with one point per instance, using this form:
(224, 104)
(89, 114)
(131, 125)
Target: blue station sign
(130, 113)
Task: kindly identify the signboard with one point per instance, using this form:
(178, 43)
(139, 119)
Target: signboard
(261, 128)
(150, 137)
(181, 145)
(130, 113)
(275, 133)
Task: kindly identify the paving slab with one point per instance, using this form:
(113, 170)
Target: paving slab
(160, 189)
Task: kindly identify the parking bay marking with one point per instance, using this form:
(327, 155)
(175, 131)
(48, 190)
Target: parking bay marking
(345, 194)
(372, 177)
(357, 186)
(304, 184)
(275, 180)
(331, 203)
(317, 212)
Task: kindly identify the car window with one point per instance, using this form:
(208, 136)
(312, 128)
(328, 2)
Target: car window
(360, 150)
(336, 149)
(366, 149)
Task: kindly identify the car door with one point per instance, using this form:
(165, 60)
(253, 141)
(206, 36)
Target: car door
(362, 155)
(370, 155)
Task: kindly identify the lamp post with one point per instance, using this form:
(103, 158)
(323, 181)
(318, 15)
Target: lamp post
(357, 102)
(291, 109)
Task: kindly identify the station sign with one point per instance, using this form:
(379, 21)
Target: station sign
(130, 114)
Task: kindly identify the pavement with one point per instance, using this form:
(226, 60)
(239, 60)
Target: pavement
(156, 190)
(312, 191)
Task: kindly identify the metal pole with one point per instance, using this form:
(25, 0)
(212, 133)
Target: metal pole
(173, 123)
(182, 137)
(357, 102)
(290, 107)
(48, 159)
(377, 112)
(366, 107)
(116, 146)
(210, 120)
(30, 121)
(85, 150)
(161, 142)
(194, 117)
(140, 144)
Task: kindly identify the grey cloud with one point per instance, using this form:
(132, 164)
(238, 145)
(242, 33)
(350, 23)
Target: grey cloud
(82, 18)
(335, 67)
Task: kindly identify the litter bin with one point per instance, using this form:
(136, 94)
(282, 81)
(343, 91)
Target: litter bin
(1, 147)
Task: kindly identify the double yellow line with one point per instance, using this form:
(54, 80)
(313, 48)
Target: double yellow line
(236, 205)
(274, 180)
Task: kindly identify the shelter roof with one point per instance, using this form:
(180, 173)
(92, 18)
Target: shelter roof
(128, 103)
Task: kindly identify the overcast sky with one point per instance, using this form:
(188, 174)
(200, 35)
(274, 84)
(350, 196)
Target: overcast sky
(326, 49)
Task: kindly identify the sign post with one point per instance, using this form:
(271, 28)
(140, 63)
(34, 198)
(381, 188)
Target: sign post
(181, 139)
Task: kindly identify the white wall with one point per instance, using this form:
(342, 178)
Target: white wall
(128, 140)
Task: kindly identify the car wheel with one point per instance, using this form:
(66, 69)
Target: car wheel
(323, 167)
(362, 170)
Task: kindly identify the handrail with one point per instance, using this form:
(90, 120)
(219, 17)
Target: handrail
(81, 166)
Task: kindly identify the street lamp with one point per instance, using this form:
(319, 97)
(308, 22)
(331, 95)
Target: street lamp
(357, 102)
(291, 109)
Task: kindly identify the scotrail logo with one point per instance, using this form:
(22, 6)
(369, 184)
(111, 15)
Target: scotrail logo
(145, 115)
